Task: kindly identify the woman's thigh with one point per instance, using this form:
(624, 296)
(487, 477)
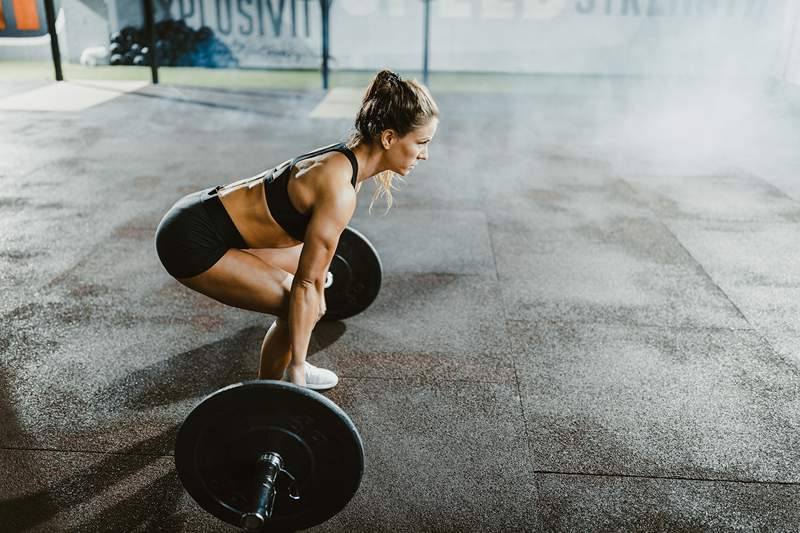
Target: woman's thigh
(244, 280)
(284, 258)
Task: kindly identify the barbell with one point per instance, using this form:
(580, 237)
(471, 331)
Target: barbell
(273, 456)
(269, 456)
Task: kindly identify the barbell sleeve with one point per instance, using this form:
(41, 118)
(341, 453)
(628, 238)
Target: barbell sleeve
(268, 467)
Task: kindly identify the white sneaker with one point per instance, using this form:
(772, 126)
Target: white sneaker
(317, 378)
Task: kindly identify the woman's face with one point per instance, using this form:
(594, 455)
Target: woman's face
(404, 152)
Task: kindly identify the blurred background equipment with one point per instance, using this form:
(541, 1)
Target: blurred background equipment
(177, 45)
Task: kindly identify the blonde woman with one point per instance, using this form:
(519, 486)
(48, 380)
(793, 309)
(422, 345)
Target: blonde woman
(265, 243)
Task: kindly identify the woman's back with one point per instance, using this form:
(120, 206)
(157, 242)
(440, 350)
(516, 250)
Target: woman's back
(272, 213)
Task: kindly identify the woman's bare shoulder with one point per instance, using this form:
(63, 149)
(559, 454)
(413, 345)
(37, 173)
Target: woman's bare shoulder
(340, 164)
(332, 171)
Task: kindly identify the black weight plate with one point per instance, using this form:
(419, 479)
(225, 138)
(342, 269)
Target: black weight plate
(357, 272)
(221, 439)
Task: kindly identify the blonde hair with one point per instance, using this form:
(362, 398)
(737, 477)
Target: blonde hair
(390, 103)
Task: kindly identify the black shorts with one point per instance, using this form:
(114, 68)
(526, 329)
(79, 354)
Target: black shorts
(195, 233)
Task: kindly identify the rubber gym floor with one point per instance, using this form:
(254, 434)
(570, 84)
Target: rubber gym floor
(588, 321)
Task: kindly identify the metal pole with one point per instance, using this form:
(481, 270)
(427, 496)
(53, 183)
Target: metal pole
(793, 43)
(426, 37)
(50, 14)
(150, 29)
(325, 6)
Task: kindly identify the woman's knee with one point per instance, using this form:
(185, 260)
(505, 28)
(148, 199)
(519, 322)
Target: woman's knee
(323, 307)
(286, 287)
(287, 294)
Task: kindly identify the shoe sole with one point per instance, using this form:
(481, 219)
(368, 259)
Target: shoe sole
(321, 387)
(315, 387)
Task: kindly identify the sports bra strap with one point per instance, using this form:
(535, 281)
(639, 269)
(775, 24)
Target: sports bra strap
(337, 147)
(318, 151)
(353, 161)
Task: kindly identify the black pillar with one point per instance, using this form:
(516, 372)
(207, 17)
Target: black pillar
(426, 36)
(50, 14)
(325, 6)
(150, 30)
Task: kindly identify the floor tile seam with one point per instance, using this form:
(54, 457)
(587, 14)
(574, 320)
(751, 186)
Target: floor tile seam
(596, 241)
(404, 273)
(225, 107)
(754, 177)
(79, 451)
(513, 358)
(38, 112)
(685, 249)
(246, 92)
(492, 246)
(771, 221)
(435, 209)
(698, 329)
(580, 243)
(774, 187)
(729, 221)
(758, 333)
(425, 381)
(166, 503)
(666, 478)
(771, 185)
(528, 444)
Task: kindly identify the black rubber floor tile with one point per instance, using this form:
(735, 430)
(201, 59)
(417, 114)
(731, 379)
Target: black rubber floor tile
(558, 178)
(762, 282)
(439, 457)
(783, 175)
(50, 491)
(103, 351)
(431, 241)
(733, 196)
(551, 209)
(436, 325)
(712, 404)
(607, 503)
(768, 263)
(629, 270)
(773, 310)
(99, 393)
(125, 348)
(177, 512)
(273, 103)
(597, 253)
(13, 87)
(445, 181)
(784, 340)
(21, 158)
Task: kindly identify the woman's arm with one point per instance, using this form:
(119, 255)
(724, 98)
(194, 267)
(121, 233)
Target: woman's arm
(333, 209)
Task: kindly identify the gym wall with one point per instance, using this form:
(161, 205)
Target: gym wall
(708, 38)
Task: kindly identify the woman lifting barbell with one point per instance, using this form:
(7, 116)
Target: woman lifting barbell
(265, 243)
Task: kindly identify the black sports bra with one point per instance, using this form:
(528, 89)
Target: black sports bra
(276, 190)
